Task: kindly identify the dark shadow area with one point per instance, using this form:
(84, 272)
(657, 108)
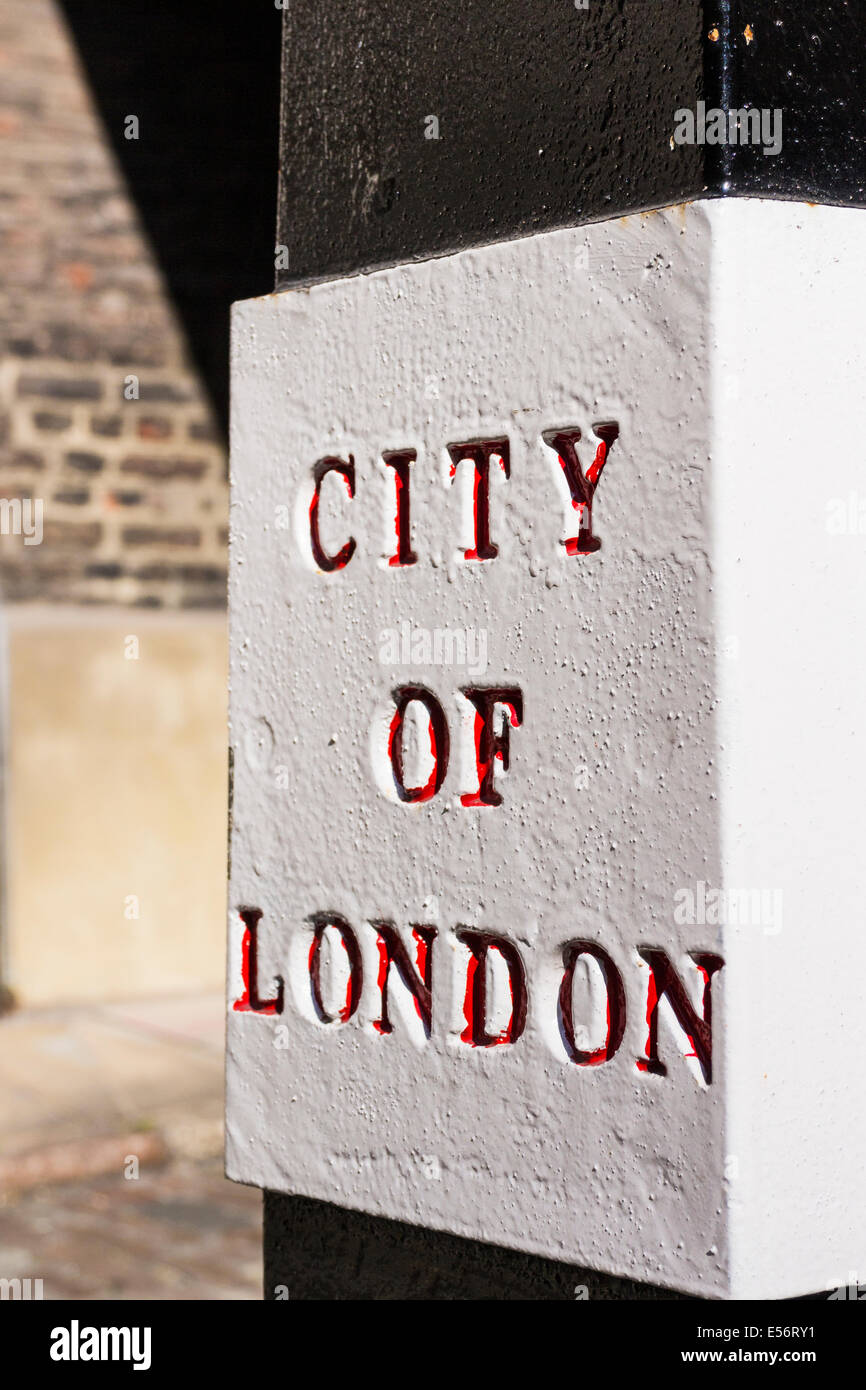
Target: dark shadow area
(316, 1251)
(204, 82)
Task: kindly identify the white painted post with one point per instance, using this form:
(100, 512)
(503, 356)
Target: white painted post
(547, 713)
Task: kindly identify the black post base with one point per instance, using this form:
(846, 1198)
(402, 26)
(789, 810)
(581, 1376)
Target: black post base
(316, 1251)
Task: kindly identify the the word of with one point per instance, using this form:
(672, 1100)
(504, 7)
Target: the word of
(495, 708)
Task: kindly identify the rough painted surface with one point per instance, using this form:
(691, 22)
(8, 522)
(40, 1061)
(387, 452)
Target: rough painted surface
(609, 802)
(691, 724)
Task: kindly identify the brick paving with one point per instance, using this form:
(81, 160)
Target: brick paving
(181, 1231)
(89, 1097)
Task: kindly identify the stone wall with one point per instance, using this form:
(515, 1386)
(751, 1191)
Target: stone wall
(103, 418)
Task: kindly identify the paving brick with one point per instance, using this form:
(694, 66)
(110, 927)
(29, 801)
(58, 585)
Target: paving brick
(60, 388)
(154, 427)
(107, 425)
(23, 458)
(203, 429)
(108, 570)
(72, 497)
(48, 420)
(84, 462)
(207, 601)
(170, 467)
(187, 574)
(161, 535)
(73, 535)
(180, 1231)
(167, 391)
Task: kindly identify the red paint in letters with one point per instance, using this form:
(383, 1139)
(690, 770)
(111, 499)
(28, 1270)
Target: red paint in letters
(475, 1000)
(321, 921)
(250, 1000)
(490, 745)
(479, 453)
(665, 983)
(401, 462)
(582, 486)
(616, 1008)
(439, 742)
(321, 469)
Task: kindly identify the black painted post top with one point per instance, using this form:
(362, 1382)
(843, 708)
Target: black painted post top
(413, 129)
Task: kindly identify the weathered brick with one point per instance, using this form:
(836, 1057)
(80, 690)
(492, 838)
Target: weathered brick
(137, 351)
(48, 420)
(72, 343)
(156, 573)
(109, 570)
(108, 425)
(60, 388)
(24, 458)
(79, 274)
(185, 574)
(72, 535)
(202, 574)
(154, 427)
(86, 306)
(30, 579)
(154, 467)
(161, 535)
(208, 601)
(84, 462)
(163, 391)
(16, 493)
(73, 497)
(203, 429)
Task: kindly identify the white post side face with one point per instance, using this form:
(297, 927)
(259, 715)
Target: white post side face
(789, 528)
(507, 955)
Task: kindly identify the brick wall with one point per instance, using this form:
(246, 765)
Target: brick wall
(102, 415)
